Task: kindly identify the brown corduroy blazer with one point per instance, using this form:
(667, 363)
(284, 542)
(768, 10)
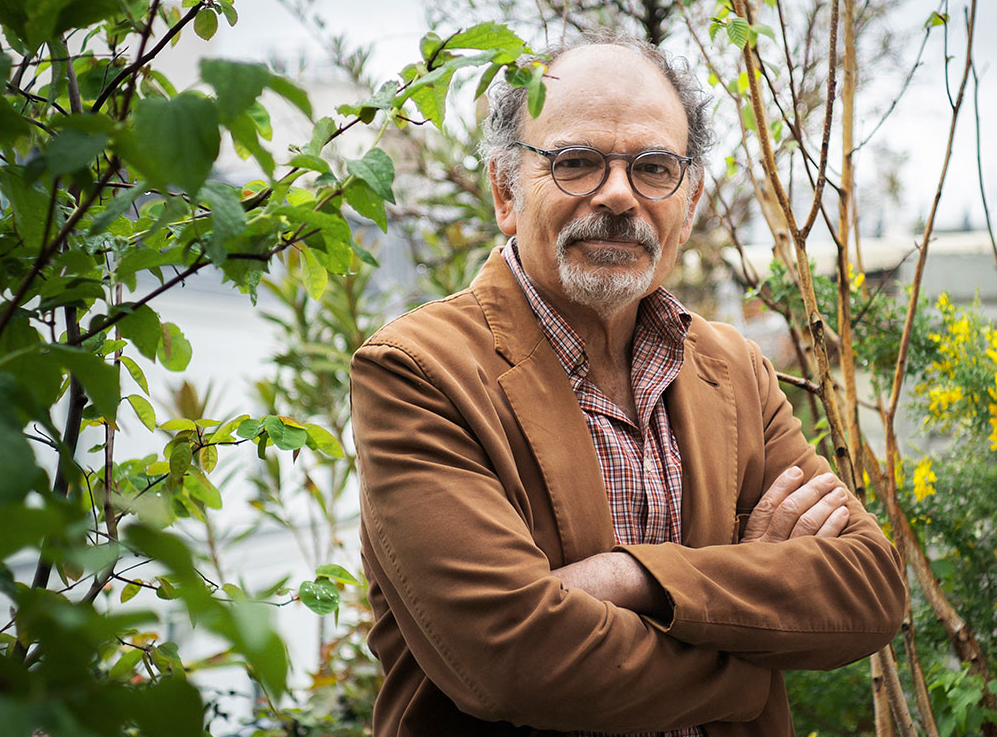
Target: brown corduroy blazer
(478, 477)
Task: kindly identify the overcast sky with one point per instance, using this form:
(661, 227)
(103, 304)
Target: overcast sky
(916, 130)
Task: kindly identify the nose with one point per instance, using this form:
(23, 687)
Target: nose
(616, 195)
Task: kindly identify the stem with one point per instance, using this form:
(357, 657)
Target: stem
(143, 59)
(894, 692)
(49, 251)
(979, 162)
(60, 486)
(846, 195)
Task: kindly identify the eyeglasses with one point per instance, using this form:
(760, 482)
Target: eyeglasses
(582, 170)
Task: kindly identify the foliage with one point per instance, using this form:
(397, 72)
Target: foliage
(108, 201)
(949, 485)
(956, 697)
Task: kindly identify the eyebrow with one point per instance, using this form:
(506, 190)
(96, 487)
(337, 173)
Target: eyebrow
(567, 143)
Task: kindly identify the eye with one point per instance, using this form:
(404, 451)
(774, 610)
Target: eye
(576, 162)
(657, 166)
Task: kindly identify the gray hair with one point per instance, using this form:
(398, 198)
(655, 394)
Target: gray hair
(504, 124)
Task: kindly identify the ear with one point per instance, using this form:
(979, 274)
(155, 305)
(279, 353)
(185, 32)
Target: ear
(691, 211)
(505, 211)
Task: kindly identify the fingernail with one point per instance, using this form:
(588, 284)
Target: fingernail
(794, 472)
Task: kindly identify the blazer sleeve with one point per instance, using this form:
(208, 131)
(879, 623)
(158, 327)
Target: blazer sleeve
(474, 597)
(806, 603)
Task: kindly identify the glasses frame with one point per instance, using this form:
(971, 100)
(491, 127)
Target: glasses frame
(552, 154)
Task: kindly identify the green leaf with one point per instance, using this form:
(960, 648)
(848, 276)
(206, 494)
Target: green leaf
(536, 93)
(428, 45)
(178, 138)
(143, 410)
(206, 23)
(748, 116)
(231, 15)
(18, 461)
(249, 429)
(486, 79)
(431, 99)
(764, 30)
(136, 373)
(142, 328)
(228, 219)
(237, 85)
(207, 458)
(117, 207)
(26, 526)
(309, 161)
(180, 460)
(125, 667)
(742, 83)
(12, 124)
(292, 93)
(129, 591)
(199, 487)
(936, 19)
(489, 35)
(321, 596)
(377, 170)
(72, 150)
(336, 573)
(367, 203)
(29, 203)
(245, 135)
(179, 424)
(738, 30)
(174, 352)
(314, 275)
(324, 441)
(284, 436)
(99, 379)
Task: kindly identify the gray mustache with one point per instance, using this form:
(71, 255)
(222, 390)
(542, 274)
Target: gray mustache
(610, 227)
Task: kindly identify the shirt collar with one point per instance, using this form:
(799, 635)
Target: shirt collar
(660, 316)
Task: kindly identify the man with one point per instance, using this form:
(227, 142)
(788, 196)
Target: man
(510, 435)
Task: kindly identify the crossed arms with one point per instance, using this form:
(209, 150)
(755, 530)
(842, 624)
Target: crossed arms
(461, 546)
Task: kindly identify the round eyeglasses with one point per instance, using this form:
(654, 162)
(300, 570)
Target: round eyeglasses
(581, 170)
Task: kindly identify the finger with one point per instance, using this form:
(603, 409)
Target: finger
(797, 504)
(814, 518)
(835, 524)
(758, 521)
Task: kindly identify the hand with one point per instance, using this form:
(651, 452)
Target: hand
(791, 508)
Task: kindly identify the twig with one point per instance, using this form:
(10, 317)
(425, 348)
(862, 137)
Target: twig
(798, 381)
(979, 162)
(141, 61)
(832, 64)
(48, 251)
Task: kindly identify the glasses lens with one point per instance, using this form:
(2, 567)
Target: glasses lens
(657, 174)
(578, 170)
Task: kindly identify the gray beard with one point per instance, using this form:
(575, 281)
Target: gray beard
(606, 290)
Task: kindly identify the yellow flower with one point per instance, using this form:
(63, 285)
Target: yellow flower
(941, 397)
(924, 479)
(960, 330)
(943, 302)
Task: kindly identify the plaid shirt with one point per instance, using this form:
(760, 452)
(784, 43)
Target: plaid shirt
(641, 466)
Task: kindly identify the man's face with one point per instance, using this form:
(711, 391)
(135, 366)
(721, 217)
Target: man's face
(608, 249)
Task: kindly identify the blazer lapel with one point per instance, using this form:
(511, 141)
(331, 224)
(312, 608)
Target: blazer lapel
(703, 416)
(549, 415)
(547, 411)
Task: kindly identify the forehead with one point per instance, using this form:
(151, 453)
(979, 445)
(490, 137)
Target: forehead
(611, 97)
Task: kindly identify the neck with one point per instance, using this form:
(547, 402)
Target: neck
(608, 333)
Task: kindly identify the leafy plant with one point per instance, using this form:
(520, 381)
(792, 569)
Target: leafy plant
(109, 199)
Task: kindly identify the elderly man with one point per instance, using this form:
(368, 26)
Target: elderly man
(557, 462)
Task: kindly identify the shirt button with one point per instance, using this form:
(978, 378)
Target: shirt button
(648, 464)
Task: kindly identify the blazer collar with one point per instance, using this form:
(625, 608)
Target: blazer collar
(547, 411)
